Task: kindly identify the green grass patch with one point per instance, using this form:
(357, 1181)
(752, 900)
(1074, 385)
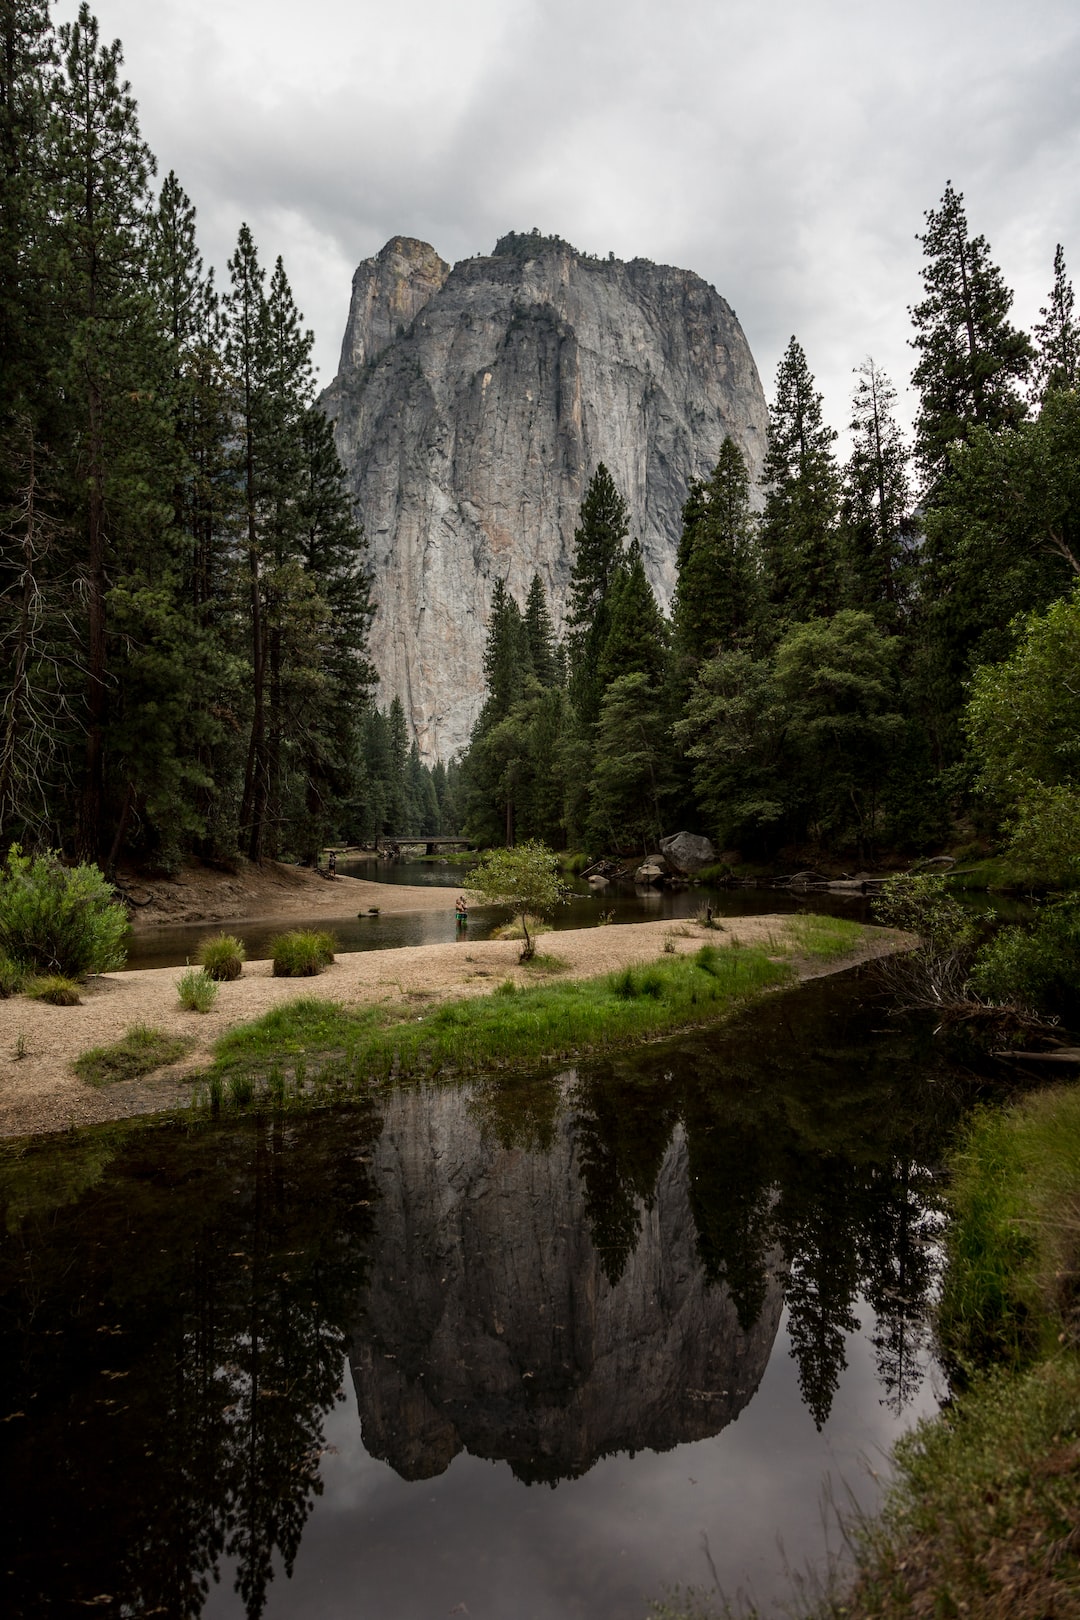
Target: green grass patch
(980, 1519)
(517, 1027)
(222, 956)
(197, 990)
(1012, 1285)
(55, 988)
(141, 1050)
(823, 937)
(302, 953)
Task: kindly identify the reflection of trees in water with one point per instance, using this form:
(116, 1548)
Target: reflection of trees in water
(807, 1140)
(188, 1376)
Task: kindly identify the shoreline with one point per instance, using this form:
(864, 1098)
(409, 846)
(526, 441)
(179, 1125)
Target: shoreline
(40, 1094)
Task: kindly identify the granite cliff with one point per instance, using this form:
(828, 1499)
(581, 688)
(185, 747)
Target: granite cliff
(472, 406)
(489, 1322)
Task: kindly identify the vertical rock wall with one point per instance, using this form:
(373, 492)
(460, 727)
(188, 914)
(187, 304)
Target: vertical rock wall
(473, 405)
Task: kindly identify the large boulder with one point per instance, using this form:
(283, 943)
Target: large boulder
(688, 852)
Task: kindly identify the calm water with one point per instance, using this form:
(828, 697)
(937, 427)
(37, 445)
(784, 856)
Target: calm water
(173, 946)
(527, 1350)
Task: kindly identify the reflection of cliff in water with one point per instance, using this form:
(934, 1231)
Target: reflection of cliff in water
(489, 1322)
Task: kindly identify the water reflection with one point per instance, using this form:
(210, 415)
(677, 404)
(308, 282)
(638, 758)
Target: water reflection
(541, 1274)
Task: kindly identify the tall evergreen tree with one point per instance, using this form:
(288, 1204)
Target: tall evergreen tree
(972, 361)
(876, 502)
(717, 594)
(108, 365)
(506, 655)
(541, 634)
(27, 54)
(1057, 337)
(636, 641)
(798, 530)
(598, 551)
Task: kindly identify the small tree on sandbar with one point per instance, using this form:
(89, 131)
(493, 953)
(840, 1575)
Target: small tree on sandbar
(525, 878)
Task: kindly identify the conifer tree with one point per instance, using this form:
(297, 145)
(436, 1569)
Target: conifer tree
(636, 641)
(718, 590)
(972, 362)
(598, 551)
(107, 367)
(798, 530)
(541, 634)
(1057, 337)
(246, 356)
(27, 54)
(506, 655)
(876, 502)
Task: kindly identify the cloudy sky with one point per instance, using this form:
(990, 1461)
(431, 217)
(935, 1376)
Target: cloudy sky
(784, 149)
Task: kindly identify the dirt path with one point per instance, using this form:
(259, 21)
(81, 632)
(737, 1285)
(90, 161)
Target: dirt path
(39, 1091)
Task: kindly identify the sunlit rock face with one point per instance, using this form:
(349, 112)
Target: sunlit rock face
(472, 407)
(488, 1323)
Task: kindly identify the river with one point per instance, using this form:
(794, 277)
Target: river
(535, 1349)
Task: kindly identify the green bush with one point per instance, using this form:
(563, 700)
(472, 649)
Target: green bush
(54, 988)
(222, 956)
(11, 977)
(301, 953)
(197, 990)
(1036, 967)
(59, 919)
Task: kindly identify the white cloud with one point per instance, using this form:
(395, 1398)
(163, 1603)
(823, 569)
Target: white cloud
(784, 151)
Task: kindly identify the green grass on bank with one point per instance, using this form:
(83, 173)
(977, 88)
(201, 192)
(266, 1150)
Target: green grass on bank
(313, 1040)
(140, 1051)
(981, 1520)
(1013, 1278)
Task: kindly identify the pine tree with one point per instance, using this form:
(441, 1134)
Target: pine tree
(541, 634)
(718, 591)
(798, 530)
(636, 641)
(109, 363)
(27, 50)
(876, 502)
(245, 353)
(598, 550)
(972, 361)
(506, 655)
(397, 749)
(1057, 338)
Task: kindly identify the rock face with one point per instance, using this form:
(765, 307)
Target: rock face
(489, 1324)
(473, 405)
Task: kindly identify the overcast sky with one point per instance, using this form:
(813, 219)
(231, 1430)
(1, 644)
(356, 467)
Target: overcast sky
(784, 149)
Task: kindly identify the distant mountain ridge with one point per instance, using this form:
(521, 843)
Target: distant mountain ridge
(471, 407)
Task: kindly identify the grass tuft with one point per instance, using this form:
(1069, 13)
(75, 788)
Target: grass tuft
(141, 1050)
(54, 988)
(222, 957)
(302, 953)
(197, 990)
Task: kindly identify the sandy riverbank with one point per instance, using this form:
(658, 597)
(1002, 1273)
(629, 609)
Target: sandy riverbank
(270, 892)
(39, 1092)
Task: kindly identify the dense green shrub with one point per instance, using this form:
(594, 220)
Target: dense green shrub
(197, 990)
(11, 977)
(1036, 967)
(59, 919)
(54, 988)
(222, 956)
(301, 953)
